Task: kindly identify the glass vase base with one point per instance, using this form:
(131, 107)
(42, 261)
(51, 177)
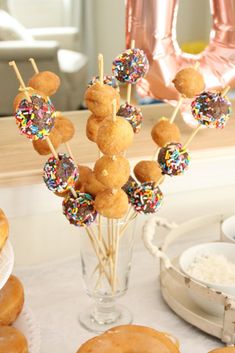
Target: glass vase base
(89, 322)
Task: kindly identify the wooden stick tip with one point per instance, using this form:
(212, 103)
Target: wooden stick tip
(132, 43)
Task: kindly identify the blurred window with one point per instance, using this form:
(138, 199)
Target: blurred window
(45, 13)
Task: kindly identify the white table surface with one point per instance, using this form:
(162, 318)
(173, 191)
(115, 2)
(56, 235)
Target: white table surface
(55, 293)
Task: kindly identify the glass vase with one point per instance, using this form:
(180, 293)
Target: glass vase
(106, 253)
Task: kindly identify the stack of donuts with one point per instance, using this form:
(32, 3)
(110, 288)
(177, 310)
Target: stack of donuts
(11, 304)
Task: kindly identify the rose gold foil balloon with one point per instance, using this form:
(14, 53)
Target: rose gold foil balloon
(152, 23)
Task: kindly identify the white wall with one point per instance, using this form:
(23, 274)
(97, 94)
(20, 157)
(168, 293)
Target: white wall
(110, 29)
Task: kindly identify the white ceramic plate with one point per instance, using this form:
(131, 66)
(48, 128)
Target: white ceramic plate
(6, 263)
(27, 324)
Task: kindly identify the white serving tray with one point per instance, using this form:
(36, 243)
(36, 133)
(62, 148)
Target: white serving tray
(27, 324)
(6, 263)
(175, 285)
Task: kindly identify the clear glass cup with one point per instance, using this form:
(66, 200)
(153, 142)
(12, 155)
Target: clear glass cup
(106, 254)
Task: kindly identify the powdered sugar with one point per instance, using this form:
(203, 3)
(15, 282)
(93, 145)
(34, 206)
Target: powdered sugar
(212, 268)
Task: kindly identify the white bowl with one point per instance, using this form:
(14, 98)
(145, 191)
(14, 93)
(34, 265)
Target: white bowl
(187, 257)
(228, 229)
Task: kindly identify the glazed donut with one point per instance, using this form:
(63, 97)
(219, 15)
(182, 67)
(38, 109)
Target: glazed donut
(164, 132)
(11, 301)
(165, 337)
(223, 350)
(112, 203)
(113, 173)
(99, 99)
(64, 127)
(189, 82)
(12, 340)
(131, 339)
(84, 174)
(147, 171)
(45, 81)
(114, 136)
(93, 186)
(92, 127)
(4, 229)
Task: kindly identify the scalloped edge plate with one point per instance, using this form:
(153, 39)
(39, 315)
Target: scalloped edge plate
(28, 325)
(6, 263)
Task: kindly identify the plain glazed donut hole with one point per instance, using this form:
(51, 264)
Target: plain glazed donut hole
(114, 136)
(4, 229)
(147, 171)
(164, 132)
(189, 82)
(64, 127)
(113, 172)
(11, 301)
(46, 82)
(136, 339)
(99, 99)
(41, 146)
(112, 203)
(20, 96)
(92, 127)
(12, 340)
(93, 186)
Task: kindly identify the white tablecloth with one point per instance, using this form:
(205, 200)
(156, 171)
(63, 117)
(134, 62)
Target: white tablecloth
(55, 293)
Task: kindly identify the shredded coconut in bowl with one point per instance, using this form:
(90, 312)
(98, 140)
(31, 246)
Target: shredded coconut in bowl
(212, 268)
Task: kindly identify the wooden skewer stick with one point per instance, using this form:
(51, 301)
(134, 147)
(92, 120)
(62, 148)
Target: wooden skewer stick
(193, 134)
(116, 252)
(73, 192)
(114, 110)
(50, 145)
(100, 259)
(114, 117)
(24, 88)
(101, 68)
(225, 91)
(129, 85)
(177, 108)
(20, 79)
(67, 145)
(128, 221)
(156, 153)
(34, 65)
